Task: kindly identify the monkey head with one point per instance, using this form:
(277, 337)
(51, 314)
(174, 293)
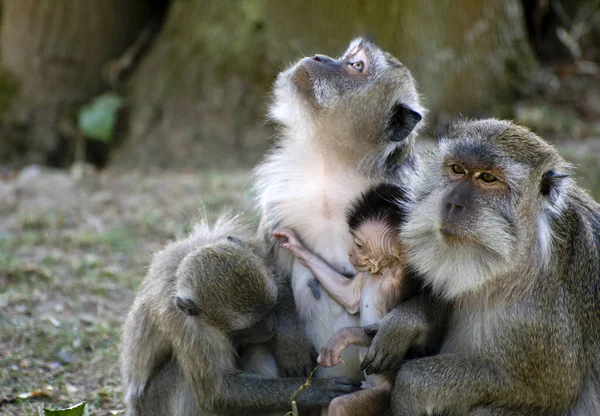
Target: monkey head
(228, 287)
(365, 101)
(486, 199)
(374, 219)
(375, 246)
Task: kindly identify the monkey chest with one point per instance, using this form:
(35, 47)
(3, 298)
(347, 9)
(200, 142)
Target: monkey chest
(370, 312)
(317, 210)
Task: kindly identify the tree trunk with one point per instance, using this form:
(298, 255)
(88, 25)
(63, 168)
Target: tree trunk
(52, 55)
(199, 97)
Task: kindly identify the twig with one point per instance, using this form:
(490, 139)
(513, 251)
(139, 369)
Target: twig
(294, 411)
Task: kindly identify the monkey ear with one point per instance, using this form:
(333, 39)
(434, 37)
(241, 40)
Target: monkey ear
(402, 122)
(550, 184)
(188, 306)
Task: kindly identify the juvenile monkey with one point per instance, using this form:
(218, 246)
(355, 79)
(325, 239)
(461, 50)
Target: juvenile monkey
(374, 220)
(501, 231)
(347, 124)
(204, 299)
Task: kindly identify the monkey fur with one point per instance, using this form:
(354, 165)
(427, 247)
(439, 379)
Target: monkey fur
(346, 124)
(203, 300)
(502, 233)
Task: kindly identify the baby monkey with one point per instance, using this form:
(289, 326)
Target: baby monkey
(374, 220)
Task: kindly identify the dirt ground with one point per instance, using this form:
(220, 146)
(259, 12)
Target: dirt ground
(72, 253)
(71, 256)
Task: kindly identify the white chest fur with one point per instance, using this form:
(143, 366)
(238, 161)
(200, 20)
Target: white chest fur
(311, 198)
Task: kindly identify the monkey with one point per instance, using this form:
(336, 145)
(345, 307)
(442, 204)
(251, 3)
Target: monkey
(374, 220)
(501, 232)
(376, 253)
(205, 298)
(346, 124)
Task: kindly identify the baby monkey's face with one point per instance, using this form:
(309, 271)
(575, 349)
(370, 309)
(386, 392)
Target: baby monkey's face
(374, 247)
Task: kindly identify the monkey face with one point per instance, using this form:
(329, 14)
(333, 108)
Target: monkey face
(374, 245)
(365, 93)
(483, 203)
(258, 333)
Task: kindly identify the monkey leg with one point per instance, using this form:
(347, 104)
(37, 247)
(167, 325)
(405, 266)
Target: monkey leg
(374, 401)
(452, 383)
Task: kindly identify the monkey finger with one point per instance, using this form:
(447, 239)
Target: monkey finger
(313, 355)
(386, 364)
(370, 330)
(366, 362)
(374, 365)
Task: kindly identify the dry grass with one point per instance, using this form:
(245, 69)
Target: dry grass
(71, 257)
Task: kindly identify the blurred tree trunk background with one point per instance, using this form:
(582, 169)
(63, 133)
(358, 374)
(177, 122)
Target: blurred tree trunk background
(52, 53)
(198, 95)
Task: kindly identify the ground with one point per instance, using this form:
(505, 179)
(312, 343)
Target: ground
(71, 256)
(72, 253)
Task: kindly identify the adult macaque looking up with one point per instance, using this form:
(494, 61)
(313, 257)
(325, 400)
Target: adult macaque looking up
(346, 124)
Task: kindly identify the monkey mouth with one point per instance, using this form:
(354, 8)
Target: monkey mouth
(301, 78)
(451, 233)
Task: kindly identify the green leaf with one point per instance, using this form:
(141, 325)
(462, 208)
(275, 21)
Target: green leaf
(98, 118)
(80, 409)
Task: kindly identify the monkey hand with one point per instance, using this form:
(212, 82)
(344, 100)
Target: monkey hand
(290, 242)
(295, 355)
(393, 336)
(330, 353)
(322, 391)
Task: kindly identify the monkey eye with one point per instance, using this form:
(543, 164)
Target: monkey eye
(487, 177)
(358, 65)
(458, 169)
(358, 243)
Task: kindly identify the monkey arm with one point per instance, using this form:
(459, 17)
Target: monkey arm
(249, 394)
(416, 324)
(293, 351)
(346, 292)
(448, 382)
(330, 353)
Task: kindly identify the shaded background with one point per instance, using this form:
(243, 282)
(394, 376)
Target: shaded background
(194, 75)
(180, 89)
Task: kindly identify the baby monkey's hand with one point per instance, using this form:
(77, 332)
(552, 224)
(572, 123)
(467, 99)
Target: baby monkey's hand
(290, 242)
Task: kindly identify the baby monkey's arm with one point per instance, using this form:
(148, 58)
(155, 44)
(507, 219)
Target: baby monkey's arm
(345, 291)
(330, 353)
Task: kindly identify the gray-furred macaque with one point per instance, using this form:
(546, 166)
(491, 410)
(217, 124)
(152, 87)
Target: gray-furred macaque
(501, 231)
(206, 298)
(346, 124)
(374, 220)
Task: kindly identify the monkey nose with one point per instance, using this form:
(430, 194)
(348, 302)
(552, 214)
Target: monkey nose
(453, 211)
(323, 59)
